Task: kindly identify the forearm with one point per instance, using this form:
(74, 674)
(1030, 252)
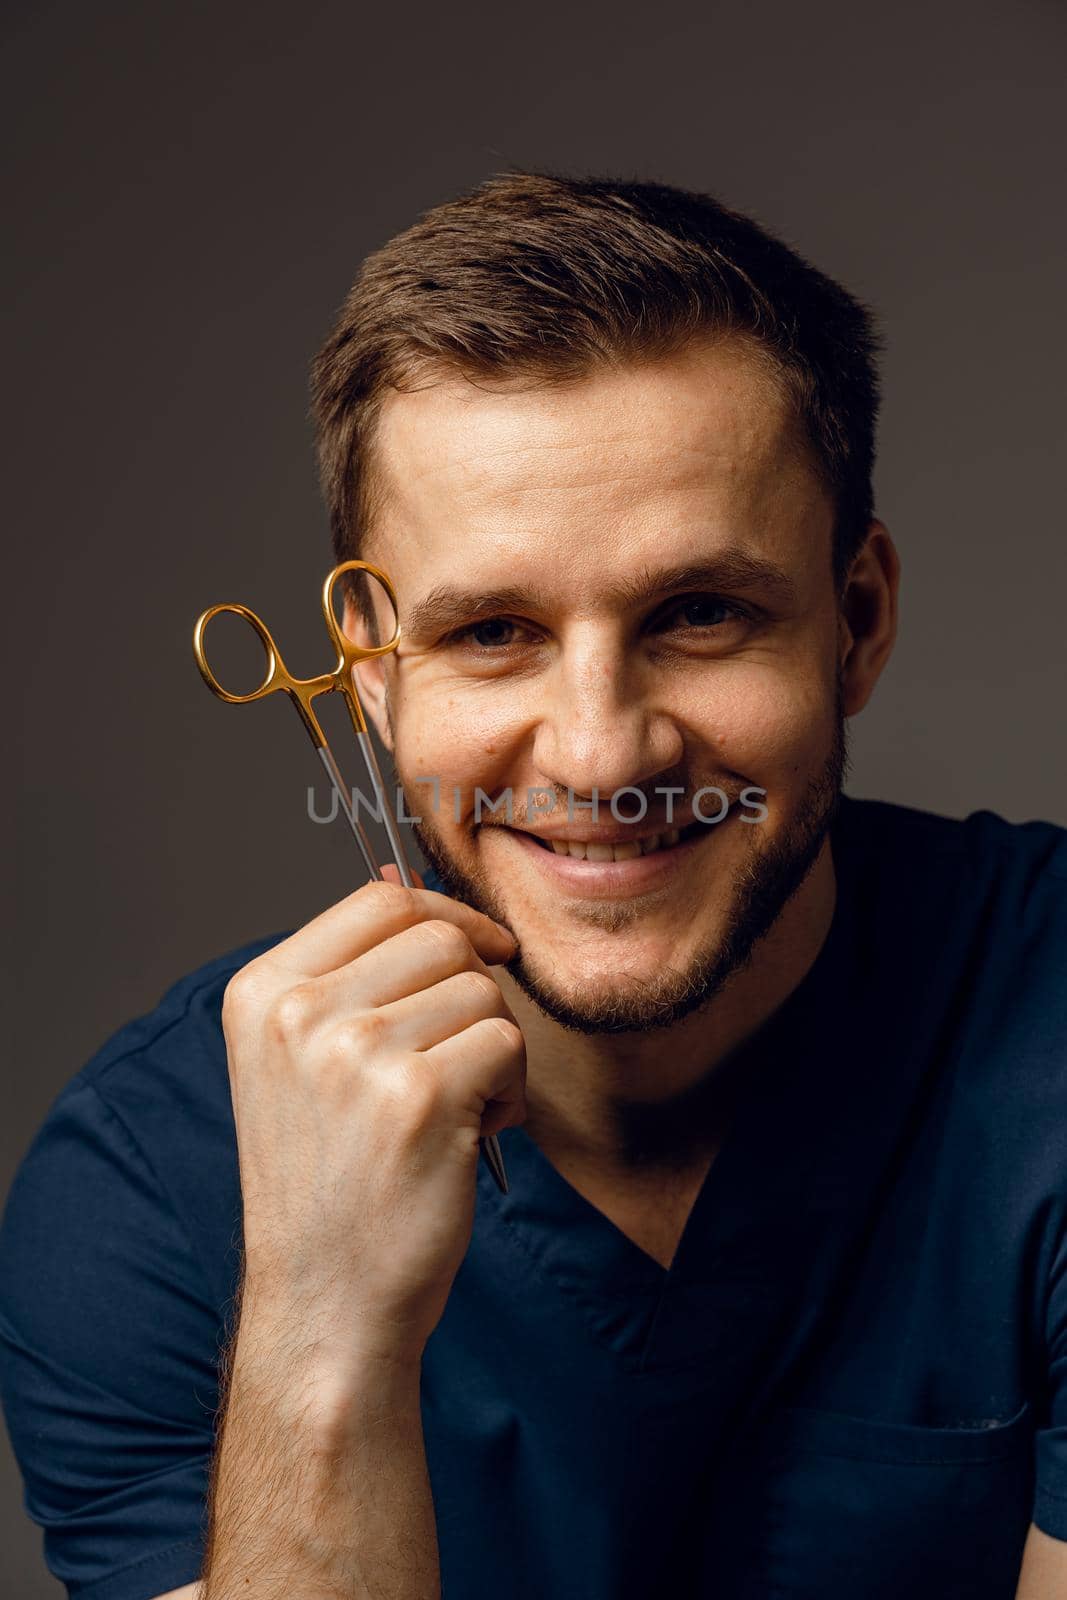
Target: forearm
(324, 1496)
(356, 1120)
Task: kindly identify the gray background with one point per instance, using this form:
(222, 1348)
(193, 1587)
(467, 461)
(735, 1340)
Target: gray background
(191, 188)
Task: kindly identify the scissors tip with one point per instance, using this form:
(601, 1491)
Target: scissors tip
(494, 1160)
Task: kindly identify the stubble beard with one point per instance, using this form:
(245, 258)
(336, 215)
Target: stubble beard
(766, 881)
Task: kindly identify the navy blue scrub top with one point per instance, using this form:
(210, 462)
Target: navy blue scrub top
(852, 1380)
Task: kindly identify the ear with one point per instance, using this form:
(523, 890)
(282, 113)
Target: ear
(371, 677)
(868, 617)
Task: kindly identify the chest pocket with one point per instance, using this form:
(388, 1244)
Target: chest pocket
(821, 1506)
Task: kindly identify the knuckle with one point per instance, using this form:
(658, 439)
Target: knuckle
(385, 899)
(412, 1096)
(444, 937)
(240, 992)
(235, 998)
(481, 987)
(290, 1015)
(356, 1037)
(510, 1033)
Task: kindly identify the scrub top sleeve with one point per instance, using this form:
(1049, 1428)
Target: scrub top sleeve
(108, 1345)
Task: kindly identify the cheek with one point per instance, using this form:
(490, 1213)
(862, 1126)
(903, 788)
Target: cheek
(461, 741)
(774, 728)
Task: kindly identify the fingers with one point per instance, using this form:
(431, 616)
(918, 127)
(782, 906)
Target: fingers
(459, 1001)
(410, 961)
(485, 1065)
(373, 914)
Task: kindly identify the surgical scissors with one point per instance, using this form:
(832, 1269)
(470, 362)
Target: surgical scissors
(303, 692)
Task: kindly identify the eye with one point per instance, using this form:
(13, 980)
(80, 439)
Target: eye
(702, 611)
(492, 633)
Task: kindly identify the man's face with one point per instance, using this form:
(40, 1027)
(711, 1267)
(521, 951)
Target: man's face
(622, 581)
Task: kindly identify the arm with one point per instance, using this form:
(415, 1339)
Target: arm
(1044, 1571)
(367, 1055)
(315, 1500)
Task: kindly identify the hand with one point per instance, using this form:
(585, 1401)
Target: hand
(368, 1053)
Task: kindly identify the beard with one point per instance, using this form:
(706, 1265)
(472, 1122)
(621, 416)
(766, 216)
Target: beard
(765, 883)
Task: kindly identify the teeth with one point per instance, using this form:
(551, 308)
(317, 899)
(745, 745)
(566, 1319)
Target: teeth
(590, 851)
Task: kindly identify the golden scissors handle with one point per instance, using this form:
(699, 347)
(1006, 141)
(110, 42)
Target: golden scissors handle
(349, 654)
(277, 677)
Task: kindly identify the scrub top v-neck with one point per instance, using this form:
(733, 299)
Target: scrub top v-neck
(849, 1382)
(655, 1371)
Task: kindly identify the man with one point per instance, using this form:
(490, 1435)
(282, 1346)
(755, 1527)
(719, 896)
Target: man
(776, 1301)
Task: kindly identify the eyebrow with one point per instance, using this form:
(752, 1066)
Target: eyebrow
(448, 605)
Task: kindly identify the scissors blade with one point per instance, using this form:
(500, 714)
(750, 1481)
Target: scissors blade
(384, 810)
(358, 831)
(490, 1149)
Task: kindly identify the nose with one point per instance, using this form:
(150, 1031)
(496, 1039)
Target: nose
(601, 727)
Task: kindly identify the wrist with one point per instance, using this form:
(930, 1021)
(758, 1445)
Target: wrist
(325, 1392)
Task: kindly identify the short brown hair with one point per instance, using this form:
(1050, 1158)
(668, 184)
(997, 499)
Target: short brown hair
(533, 273)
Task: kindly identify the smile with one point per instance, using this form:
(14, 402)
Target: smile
(627, 850)
(613, 868)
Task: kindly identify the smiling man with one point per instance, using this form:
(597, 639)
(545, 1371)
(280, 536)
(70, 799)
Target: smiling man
(775, 1303)
(684, 632)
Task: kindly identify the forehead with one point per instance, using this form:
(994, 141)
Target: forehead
(608, 461)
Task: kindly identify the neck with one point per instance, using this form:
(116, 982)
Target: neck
(660, 1100)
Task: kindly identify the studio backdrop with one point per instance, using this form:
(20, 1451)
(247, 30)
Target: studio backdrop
(190, 189)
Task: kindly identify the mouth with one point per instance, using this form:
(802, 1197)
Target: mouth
(603, 869)
(626, 850)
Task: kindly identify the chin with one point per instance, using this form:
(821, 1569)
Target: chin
(640, 1000)
(599, 960)
(604, 968)
(597, 942)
